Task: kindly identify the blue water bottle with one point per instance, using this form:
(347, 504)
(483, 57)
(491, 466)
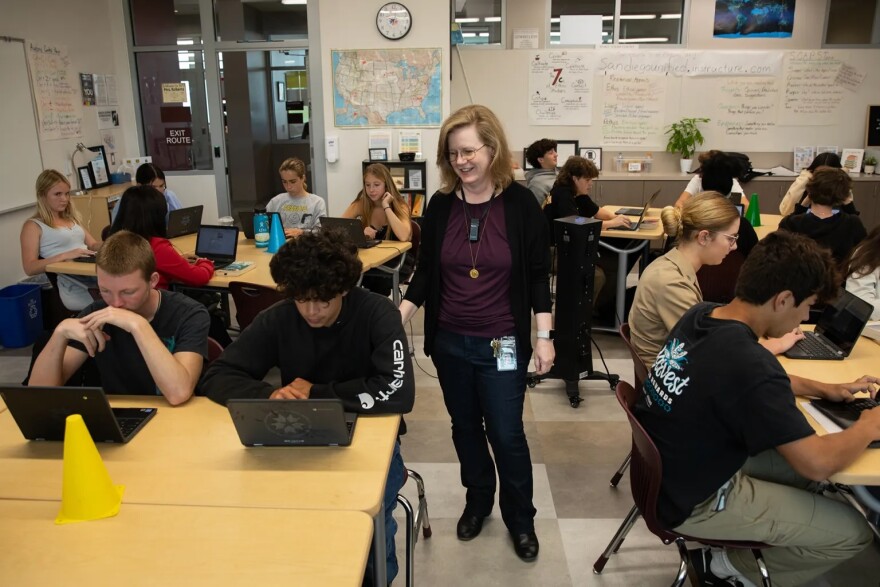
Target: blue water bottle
(261, 228)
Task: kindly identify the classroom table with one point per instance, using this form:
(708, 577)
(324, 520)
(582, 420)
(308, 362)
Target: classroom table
(863, 360)
(191, 456)
(247, 251)
(183, 545)
(651, 231)
(769, 223)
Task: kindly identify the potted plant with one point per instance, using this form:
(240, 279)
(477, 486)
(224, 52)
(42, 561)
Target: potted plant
(870, 163)
(684, 138)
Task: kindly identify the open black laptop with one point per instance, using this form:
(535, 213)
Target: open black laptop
(352, 227)
(642, 213)
(41, 412)
(837, 330)
(246, 217)
(310, 422)
(217, 243)
(184, 221)
(845, 414)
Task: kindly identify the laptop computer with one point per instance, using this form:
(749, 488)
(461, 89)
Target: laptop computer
(85, 259)
(217, 243)
(309, 422)
(642, 213)
(246, 217)
(352, 227)
(184, 221)
(836, 332)
(41, 413)
(845, 414)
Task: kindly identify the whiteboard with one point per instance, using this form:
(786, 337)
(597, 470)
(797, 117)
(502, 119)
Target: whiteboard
(20, 158)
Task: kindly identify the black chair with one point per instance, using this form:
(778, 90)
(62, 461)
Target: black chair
(395, 270)
(718, 282)
(640, 373)
(646, 474)
(251, 299)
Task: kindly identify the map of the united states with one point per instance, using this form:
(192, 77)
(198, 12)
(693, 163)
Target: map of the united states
(387, 87)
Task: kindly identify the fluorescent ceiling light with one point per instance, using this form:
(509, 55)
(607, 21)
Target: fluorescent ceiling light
(484, 34)
(294, 2)
(185, 41)
(670, 16)
(467, 20)
(638, 16)
(607, 18)
(468, 34)
(645, 40)
(554, 19)
(492, 19)
(555, 34)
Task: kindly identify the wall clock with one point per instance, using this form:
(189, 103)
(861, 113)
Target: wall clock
(394, 21)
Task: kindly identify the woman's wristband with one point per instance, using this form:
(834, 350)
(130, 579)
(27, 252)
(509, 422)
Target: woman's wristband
(387, 208)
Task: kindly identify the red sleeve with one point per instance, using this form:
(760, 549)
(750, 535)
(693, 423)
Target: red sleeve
(174, 267)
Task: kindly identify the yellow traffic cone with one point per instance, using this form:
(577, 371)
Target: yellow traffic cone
(87, 493)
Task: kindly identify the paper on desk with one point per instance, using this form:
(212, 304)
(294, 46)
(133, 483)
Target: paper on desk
(872, 330)
(821, 418)
(779, 170)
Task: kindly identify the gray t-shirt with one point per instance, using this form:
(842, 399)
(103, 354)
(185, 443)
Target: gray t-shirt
(302, 212)
(181, 323)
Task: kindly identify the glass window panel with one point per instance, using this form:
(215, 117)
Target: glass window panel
(165, 22)
(245, 20)
(651, 23)
(853, 22)
(175, 122)
(480, 21)
(605, 8)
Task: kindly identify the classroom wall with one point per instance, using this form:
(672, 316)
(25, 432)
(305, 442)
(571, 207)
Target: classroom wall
(93, 33)
(357, 30)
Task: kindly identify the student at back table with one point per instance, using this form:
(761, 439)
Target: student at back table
(542, 156)
(740, 461)
(330, 339)
(299, 210)
(145, 341)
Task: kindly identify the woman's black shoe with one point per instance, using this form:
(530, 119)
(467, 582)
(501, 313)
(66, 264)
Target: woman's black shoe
(469, 526)
(525, 545)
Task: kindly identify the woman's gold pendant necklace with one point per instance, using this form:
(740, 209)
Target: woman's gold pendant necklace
(474, 273)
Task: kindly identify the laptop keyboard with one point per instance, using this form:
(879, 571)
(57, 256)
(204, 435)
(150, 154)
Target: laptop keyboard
(845, 414)
(128, 425)
(814, 347)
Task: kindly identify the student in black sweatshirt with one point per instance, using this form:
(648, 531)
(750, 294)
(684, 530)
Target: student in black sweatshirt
(330, 339)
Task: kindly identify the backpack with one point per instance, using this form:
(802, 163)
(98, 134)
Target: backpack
(741, 167)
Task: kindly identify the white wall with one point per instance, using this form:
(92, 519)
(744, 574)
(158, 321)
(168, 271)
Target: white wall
(351, 25)
(93, 33)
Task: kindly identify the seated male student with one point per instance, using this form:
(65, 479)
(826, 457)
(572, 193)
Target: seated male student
(739, 459)
(330, 339)
(542, 156)
(144, 341)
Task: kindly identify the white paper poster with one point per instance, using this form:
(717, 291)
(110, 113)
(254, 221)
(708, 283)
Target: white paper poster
(747, 106)
(525, 38)
(173, 93)
(811, 95)
(59, 102)
(561, 88)
(633, 113)
(850, 78)
(738, 63)
(100, 89)
(108, 118)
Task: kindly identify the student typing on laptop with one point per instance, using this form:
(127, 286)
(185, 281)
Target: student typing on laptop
(300, 211)
(330, 339)
(740, 461)
(145, 341)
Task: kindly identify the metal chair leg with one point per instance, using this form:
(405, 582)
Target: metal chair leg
(617, 540)
(762, 567)
(410, 539)
(621, 470)
(422, 520)
(685, 563)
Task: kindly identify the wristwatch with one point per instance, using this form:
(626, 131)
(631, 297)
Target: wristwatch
(548, 334)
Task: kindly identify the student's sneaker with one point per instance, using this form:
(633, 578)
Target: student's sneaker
(701, 559)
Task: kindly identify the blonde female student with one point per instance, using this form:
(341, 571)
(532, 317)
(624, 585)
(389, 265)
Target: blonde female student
(54, 234)
(385, 215)
(299, 210)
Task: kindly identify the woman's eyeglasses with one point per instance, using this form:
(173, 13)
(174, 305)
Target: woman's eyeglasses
(731, 238)
(466, 154)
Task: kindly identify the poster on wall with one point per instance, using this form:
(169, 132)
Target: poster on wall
(749, 19)
(634, 110)
(59, 104)
(746, 108)
(811, 95)
(87, 86)
(561, 88)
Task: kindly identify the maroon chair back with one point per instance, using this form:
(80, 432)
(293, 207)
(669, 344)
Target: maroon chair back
(646, 469)
(718, 282)
(251, 299)
(215, 349)
(639, 368)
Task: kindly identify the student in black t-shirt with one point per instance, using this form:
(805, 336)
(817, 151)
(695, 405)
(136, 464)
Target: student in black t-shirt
(738, 456)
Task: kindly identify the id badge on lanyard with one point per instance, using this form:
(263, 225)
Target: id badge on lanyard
(504, 351)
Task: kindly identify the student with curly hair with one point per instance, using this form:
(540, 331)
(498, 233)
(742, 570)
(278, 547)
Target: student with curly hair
(330, 339)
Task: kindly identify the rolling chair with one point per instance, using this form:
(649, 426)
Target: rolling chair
(646, 473)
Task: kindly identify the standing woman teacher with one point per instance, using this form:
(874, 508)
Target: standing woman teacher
(483, 267)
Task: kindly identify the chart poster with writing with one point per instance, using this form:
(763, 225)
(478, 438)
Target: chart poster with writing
(561, 88)
(59, 101)
(633, 110)
(811, 94)
(746, 108)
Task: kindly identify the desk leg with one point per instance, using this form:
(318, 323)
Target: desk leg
(395, 286)
(620, 294)
(380, 570)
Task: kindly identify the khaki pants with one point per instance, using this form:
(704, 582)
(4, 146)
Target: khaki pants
(768, 502)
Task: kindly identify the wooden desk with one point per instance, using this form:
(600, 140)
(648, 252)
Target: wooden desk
(769, 223)
(191, 456)
(186, 546)
(642, 237)
(94, 207)
(863, 360)
(247, 251)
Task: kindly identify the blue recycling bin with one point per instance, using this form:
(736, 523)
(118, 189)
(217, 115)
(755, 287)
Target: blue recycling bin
(21, 314)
